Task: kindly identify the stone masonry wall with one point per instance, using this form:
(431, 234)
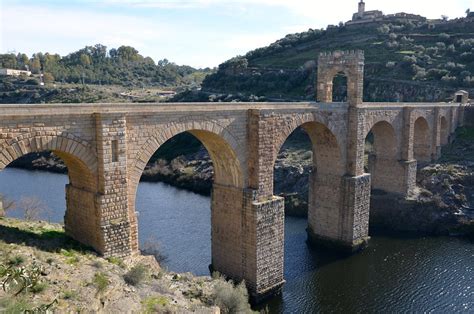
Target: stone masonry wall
(226, 230)
(81, 219)
(117, 225)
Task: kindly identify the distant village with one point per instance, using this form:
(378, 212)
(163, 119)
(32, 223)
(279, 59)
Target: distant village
(364, 17)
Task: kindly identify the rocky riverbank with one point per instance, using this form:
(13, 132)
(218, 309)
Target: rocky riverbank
(41, 269)
(443, 202)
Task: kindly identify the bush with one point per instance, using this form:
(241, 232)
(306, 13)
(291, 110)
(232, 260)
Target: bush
(444, 36)
(16, 260)
(156, 305)
(101, 282)
(384, 29)
(420, 73)
(135, 275)
(449, 79)
(410, 59)
(32, 82)
(152, 247)
(231, 298)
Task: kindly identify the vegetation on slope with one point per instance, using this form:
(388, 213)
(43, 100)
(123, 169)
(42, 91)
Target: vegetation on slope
(405, 61)
(42, 269)
(97, 65)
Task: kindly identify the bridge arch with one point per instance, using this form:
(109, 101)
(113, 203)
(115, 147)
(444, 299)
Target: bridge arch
(225, 152)
(227, 189)
(382, 155)
(422, 149)
(327, 154)
(326, 177)
(80, 159)
(81, 220)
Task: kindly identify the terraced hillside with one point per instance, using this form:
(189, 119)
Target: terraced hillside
(405, 61)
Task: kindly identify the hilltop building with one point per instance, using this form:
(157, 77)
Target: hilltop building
(366, 15)
(362, 16)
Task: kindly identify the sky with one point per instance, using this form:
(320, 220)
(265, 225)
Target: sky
(200, 33)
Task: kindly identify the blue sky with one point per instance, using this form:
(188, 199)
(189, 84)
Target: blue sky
(201, 33)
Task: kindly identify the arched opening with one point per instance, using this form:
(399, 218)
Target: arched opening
(191, 230)
(444, 134)
(422, 141)
(339, 87)
(307, 172)
(37, 195)
(381, 156)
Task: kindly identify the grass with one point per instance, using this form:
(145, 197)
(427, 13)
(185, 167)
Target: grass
(116, 261)
(101, 282)
(69, 295)
(16, 260)
(39, 287)
(155, 304)
(14, 305)
(36, 235)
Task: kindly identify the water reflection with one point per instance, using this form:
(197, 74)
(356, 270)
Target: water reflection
(392, 275)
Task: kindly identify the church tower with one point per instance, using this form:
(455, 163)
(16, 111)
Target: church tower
(361, 8)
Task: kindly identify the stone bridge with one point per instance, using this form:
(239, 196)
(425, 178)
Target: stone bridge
(107, 146)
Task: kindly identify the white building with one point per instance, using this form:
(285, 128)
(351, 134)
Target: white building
(12, 72)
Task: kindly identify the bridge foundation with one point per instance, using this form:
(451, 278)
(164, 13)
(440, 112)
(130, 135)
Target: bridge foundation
(338, 212)
(248, 239)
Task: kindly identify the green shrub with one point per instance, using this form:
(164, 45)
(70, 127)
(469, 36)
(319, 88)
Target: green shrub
(14, 305)
(69, 295)
(16, 260)
(101, 282)
(116, 261)
(39, 287)
(135, 275)
(155, 304)
(231, 298)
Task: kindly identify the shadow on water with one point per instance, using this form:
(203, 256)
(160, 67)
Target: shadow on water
(43, 239)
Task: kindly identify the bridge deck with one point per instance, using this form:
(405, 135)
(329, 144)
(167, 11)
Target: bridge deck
(86, 108)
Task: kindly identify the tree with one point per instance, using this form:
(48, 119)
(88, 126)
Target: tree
(8, 61)
(35, 64)
(5, 205)
(444, 17)
(468, 11)
(48, 77)
(85, 59)
(32, 208)
(127, 53)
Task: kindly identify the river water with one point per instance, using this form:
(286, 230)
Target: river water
(392, 275)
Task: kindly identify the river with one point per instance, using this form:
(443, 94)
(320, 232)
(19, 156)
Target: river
(427, 274)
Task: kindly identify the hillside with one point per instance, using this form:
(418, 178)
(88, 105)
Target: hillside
(404, 61)
(94, 74)
(99, 65)
(42, 270)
